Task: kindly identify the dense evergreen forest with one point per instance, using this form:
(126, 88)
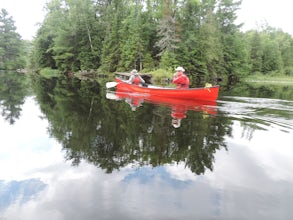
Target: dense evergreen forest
(119, 35)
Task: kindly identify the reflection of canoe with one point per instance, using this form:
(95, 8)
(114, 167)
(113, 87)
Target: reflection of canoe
(206, 106)
(204, 93)
(178, 107)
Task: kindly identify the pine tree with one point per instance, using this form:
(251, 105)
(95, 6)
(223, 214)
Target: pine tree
(11, 45)
(111, 51)
(168, 33)
(234, 52)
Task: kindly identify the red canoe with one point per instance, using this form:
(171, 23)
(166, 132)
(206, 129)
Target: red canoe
(204, 93)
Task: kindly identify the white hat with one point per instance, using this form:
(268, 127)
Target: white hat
(133, 71)
(180, 68)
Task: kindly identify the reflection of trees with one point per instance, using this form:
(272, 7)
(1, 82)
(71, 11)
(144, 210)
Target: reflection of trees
(13, 89)
(275, 91)
(109, 135)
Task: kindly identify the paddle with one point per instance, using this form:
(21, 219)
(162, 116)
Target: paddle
(112, 96)
(111, 84)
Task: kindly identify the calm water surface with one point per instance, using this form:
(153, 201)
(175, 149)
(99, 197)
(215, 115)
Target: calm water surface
(69, 150)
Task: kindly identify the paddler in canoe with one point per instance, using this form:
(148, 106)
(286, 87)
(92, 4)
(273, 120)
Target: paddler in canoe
(136, 79)
(180, 79)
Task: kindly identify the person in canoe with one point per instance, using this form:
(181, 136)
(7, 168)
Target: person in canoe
(180, 79)
(136, 79)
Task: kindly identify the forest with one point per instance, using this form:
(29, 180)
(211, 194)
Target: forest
(110, 36)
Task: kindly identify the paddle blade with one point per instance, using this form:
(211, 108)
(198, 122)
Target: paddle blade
(112, 96)
(111, 84)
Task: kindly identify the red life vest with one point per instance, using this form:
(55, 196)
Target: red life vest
(136, 80)
(182, 82)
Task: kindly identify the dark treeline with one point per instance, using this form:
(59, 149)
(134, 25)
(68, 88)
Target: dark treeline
(119, 35)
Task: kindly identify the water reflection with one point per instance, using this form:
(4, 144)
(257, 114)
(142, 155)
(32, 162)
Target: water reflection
(111, 136)
(87, 193)
(128, 164)
(13, 90)
(20, 191)
(179, 107)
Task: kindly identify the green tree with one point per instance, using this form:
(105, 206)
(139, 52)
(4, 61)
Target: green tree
(210, 47)
(188, 53)
(42, 54)
(272, 60)
(234, 50)
(168, 32)
(88, 33)
(132, 48)
(255, 49)
(118, 35)
(11, 45)
(70, 38)
(286, 48)
(111, 51)
(270, 51)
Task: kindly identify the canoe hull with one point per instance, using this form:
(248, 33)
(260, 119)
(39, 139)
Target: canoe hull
(205, 93)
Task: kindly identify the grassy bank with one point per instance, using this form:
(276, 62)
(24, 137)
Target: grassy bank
(269, 79)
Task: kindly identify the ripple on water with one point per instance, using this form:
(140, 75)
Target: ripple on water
(273, 113)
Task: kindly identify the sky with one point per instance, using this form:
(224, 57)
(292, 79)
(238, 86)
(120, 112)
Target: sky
(277, 14)
(28, 13)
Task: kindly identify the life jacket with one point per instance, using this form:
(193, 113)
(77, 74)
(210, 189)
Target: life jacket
(136, 80)
(182, 82)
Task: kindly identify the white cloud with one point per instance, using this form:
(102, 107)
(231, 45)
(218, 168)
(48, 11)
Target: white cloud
(20, 151)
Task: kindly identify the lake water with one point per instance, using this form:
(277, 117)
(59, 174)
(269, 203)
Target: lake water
(69, 150)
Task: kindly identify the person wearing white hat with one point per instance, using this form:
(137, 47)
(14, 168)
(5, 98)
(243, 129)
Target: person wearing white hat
(135, 78)
(180, 79)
